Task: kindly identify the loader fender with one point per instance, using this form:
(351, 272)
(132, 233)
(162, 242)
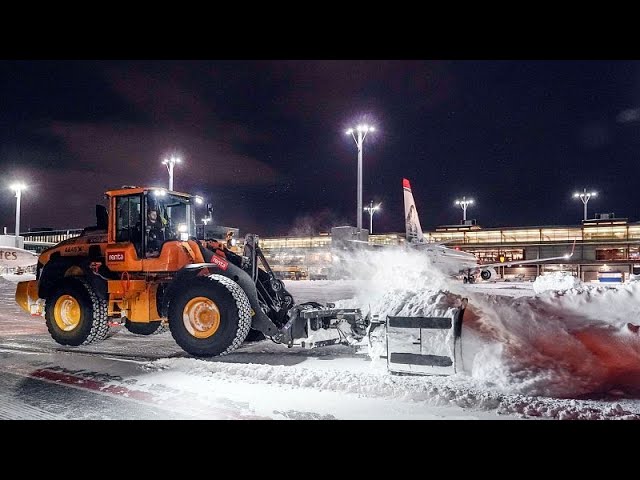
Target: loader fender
(189, 273)
(58, 267)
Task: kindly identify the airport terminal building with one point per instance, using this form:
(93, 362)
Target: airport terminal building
(606, 248)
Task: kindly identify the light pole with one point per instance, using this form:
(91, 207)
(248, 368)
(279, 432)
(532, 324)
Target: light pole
(170, 162)
(464, 203)
(18, 187)
(585, 196)
(371, 209)
(359, 139)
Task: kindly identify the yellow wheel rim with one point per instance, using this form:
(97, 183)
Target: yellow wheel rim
(67, 313)
(201, 317)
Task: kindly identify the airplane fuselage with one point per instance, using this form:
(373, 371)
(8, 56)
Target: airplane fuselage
(449, 260)
(12, 257)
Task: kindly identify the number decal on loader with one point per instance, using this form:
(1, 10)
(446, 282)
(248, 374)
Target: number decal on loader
(221, 263)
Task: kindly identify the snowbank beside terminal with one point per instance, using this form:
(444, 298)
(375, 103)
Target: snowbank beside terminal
(557, 281)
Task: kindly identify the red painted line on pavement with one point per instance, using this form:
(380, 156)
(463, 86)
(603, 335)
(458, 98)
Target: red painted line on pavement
(98, 386)
(93, 385)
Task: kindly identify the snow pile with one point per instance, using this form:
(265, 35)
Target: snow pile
(211, 377)
(561, 344)
(556, 281)
(15, 278)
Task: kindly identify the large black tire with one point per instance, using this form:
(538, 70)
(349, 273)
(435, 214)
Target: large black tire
(210, 318)
(485, 274)
(75, 315)
(151, 328)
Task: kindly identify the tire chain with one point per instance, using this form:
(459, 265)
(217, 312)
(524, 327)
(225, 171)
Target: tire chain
(163, 328)
(244, 310)
(99, 322)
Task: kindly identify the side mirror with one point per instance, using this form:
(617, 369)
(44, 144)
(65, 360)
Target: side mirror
(102, 217)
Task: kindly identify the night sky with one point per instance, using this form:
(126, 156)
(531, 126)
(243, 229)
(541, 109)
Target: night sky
(264, 140)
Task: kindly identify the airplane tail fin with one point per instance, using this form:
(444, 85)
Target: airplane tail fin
(412, 222)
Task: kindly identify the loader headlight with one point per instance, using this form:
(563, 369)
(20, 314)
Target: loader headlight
(183, 232)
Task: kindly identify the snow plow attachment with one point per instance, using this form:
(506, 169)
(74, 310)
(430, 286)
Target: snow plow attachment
(425, 345)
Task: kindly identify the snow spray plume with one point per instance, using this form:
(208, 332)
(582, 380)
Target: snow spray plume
(311, 225)
(395, 281)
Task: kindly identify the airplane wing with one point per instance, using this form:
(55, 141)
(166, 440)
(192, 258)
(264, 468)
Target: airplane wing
(566, 256)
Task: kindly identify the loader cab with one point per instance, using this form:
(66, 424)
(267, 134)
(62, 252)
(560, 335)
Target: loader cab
(148, 218)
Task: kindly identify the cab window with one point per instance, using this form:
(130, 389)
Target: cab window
(128, 221)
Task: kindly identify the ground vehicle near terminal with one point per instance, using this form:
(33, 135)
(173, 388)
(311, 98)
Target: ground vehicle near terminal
(125, 272)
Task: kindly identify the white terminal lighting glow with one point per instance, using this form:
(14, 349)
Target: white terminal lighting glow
(18, 187)
(464, 203)
(362, 130)
(173, 160)
(169, 163)
(372, 209)
(584, 196)
(199, 200)
(182, 228)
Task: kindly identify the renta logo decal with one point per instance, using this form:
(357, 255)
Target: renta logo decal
(221, 263)
(115, 257)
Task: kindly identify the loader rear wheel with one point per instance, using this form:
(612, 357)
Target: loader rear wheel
(151, 328)
(75, 315)
(211, 317)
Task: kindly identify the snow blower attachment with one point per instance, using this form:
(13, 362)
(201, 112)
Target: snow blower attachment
(308, 324)
(425, 345)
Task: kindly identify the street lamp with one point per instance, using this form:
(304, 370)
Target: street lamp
(464, 203)
(170, 162)
(359, 139)
(585, 196)
(18, 187)
(371, 209)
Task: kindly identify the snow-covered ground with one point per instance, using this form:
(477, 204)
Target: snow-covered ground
(563, 354)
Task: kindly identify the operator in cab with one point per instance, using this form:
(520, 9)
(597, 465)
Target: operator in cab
(155, 232)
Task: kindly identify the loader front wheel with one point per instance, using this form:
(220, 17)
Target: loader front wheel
(75, 315)
(211, 317)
